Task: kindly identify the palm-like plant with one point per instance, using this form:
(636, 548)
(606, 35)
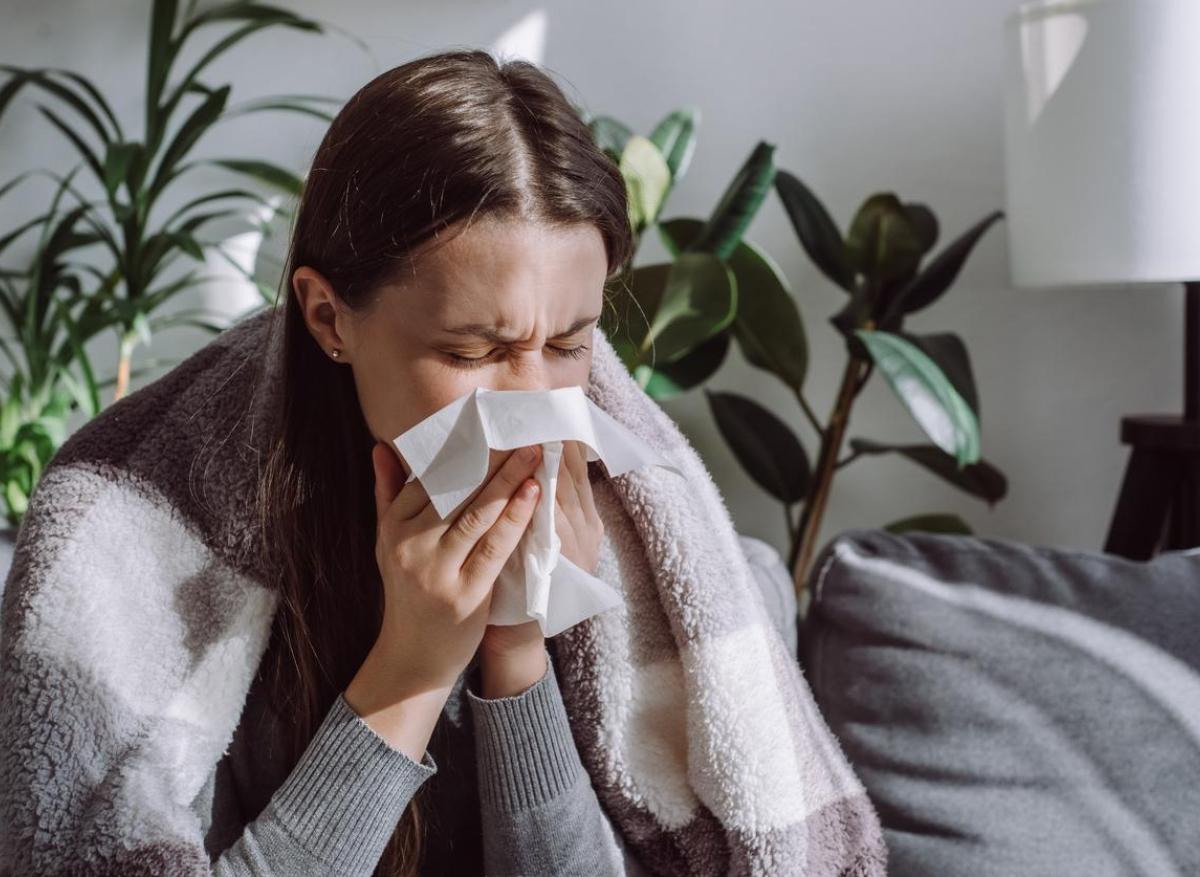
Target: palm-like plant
(134, 174)
(49, 372)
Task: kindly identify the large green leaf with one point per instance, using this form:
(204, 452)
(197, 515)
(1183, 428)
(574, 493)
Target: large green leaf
(927, 393)
(764, 445)
(883, 241)
(950, 353)
(699, 300)
(817, 231)
(982, 479)
(647, 177)
(739, 204)
(693, 369)
(675, 137)
(768, 325)
(610, 135)
(936, 277)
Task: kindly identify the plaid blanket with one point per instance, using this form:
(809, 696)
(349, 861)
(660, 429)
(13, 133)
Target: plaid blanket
(136, 614)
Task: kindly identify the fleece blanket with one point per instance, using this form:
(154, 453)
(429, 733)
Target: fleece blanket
(136, 613)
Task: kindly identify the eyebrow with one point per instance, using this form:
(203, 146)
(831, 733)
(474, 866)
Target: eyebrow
(483, 330)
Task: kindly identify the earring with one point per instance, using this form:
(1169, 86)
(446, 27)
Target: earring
(336, 352)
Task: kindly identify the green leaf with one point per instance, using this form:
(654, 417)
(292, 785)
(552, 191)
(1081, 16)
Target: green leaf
(671, 379)
(927, 393)
(192, 129)
(87, 396)
(948, 351)
(936, 277)
(981, 480)
(161, 55)
(768, 326)
(116, 164)
(70, 98)
(739, 204)
(261, 170)
(817, 231)
(300, 103)
(936, 523)
(883, 243)
(924, 223)
(610, 135)
(764, 445)
(675, 137)
(700, 300)
(89, 156)
(648, 179)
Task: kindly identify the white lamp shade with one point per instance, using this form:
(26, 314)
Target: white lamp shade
(1102, 141)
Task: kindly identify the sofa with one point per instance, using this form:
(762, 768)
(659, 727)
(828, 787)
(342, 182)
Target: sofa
(1013, 709)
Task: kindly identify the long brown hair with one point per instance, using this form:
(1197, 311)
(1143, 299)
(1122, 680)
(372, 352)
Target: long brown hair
(442, 138)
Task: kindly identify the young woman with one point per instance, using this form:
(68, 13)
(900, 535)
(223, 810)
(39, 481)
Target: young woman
(227, 568)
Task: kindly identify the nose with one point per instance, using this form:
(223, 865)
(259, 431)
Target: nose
(527, 372)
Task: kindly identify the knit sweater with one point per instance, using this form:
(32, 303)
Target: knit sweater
(509, 793)
(137, 613)
(505, 793)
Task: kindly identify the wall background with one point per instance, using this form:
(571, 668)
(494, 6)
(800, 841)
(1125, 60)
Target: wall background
(858, 97)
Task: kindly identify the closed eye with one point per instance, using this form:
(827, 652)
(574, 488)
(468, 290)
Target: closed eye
(477, 361)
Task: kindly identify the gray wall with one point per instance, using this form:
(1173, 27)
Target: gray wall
(858, 97)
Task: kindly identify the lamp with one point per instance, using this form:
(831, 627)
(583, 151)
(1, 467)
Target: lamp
(1102, 176)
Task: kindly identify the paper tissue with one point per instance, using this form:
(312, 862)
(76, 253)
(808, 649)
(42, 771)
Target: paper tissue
(449, 452)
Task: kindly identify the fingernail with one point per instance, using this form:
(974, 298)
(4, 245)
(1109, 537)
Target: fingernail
(531, 452)
(529, 489)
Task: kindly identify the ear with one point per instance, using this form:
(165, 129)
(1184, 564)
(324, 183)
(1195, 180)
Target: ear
(323, 312)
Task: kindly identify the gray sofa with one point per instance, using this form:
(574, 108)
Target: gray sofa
(1013, 709)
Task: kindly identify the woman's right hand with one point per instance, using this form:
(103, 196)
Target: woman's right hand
(438, 574)
(437, 579)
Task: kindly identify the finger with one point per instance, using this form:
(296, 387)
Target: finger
(577, 464)
(394, 500)
(478, 515)
(567, 492)
(489, 554)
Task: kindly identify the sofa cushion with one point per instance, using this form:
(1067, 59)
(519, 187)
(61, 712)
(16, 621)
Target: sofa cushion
(1013, 709)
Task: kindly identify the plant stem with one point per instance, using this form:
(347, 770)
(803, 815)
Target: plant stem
(812, 418)
(123, 362)
(818, 492)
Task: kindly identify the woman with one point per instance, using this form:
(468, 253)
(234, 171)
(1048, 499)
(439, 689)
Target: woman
(229, 560)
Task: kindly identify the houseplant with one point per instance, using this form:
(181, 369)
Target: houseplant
(108, 258)
(673, 323)
(134, 173)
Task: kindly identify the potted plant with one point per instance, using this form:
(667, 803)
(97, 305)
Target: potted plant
(109, 262)
(673, 324)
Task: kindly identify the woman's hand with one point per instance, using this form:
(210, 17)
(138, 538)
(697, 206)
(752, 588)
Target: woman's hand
(512, 657)
(437, 581)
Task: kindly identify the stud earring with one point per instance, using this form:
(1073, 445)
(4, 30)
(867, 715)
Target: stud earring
(336, 352)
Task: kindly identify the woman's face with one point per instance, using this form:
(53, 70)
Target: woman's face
(517, 301)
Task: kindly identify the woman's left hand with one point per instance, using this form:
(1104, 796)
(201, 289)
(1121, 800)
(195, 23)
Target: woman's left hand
(509, 653)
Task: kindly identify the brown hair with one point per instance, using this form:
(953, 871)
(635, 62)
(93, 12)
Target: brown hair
(439, 139)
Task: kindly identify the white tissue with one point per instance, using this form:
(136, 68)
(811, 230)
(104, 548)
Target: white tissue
(449, 452)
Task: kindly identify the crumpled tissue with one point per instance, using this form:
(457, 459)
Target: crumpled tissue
(449, 452)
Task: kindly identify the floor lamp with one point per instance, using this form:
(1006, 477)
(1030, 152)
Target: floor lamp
(1102, 176)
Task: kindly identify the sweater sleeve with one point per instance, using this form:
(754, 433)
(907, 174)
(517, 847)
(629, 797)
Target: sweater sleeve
(540, 814)
(337, 808)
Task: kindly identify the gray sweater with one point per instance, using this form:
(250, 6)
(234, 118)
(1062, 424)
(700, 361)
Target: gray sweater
(534, 812)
